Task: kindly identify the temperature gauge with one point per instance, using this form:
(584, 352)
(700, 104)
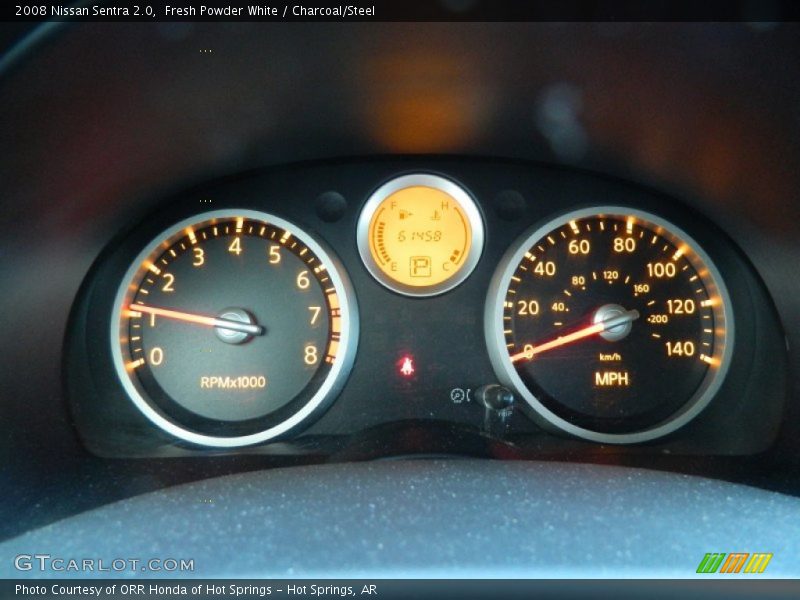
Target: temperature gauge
(420, 235)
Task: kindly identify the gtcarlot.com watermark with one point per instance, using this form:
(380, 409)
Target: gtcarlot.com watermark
(56, 564)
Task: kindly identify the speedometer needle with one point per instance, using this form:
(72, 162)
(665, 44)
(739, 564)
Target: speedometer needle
(229, 324)
(604, 325)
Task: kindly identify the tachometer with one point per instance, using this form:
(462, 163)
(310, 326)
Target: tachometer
(232, 328)
(613, 324)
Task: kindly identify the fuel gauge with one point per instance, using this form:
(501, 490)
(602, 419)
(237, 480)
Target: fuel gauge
(420, 235)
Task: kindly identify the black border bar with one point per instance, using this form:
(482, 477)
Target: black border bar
(406, 10)
(405, 589)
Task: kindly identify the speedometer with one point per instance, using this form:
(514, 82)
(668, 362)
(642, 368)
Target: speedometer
(613, 324)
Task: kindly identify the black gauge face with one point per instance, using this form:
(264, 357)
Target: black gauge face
(613, 326)
(232, 328)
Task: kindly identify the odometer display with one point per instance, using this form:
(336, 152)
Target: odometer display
(612, 324)
(232, 328)
(420, 235)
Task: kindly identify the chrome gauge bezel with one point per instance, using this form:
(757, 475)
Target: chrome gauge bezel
(448, 186)
(507, 374)
(320, 400)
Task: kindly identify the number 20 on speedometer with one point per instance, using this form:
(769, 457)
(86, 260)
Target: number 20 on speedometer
(612, 324)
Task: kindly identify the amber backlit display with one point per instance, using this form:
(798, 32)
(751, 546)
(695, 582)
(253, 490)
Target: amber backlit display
(419, 236)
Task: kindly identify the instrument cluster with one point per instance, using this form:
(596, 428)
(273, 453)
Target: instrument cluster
(296, 310)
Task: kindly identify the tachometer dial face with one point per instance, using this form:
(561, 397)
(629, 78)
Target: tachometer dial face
(420, 235)
(612, 324)
(233, 328)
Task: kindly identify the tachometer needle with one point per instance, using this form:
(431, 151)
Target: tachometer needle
(604, 325)
(229, 324)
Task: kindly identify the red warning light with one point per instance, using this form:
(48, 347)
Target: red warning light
(406, 366)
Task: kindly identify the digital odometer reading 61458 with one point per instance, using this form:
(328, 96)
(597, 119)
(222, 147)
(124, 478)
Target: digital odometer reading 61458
(611, 323)
(420, 235)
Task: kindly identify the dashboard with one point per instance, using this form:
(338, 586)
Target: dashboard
(467, 298)
(379, 278)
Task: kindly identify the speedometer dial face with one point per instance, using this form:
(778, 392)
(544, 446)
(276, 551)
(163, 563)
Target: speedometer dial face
(612, 324)
(233, 328)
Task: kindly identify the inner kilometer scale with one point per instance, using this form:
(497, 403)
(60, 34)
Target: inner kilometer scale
(233, 328)
(611, 323)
